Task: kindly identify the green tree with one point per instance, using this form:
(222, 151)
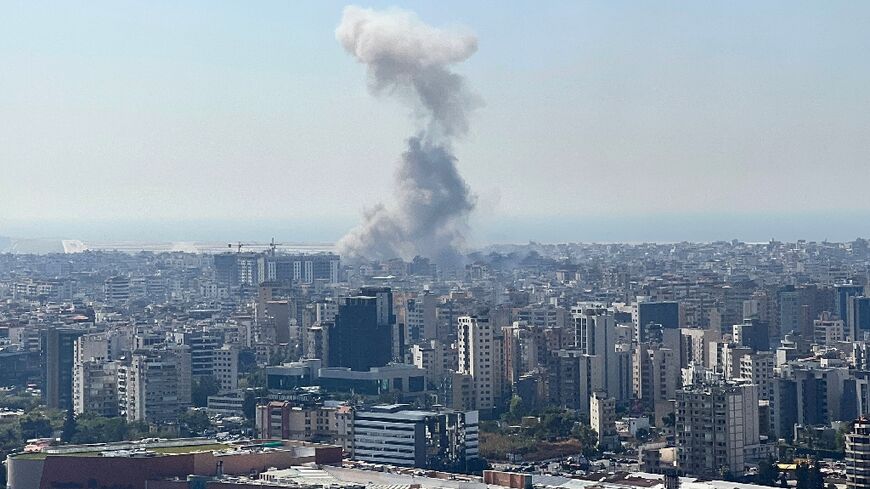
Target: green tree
(249, 405)
(816, 479)
(35, 425)
(201, 388)
(70, 427)
(195, 421)
(767, 473)
(802, 475)
(517, 408)
(587, 437)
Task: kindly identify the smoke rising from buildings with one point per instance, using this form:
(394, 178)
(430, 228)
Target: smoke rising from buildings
(411, 60)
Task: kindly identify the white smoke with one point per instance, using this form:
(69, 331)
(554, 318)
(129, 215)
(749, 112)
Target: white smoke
(410, 59)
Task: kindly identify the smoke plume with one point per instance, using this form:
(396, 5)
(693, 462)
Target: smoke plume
(411, 60)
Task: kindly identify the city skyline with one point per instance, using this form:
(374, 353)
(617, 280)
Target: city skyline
(601, 122)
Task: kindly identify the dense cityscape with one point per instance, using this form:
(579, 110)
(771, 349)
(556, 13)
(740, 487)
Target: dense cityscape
(500, 254)
(744, 362)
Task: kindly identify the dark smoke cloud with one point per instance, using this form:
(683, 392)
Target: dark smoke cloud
(411, 60)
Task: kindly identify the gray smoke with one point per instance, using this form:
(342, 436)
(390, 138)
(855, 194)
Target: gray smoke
(411, 60)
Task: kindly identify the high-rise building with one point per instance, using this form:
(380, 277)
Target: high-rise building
(96, 388)
(714, 426)
(757, 368)
(789, 310)
(117, 289)
(656, 378)
(753, 333)
(665, 314)
(858, 455)
(602, 419)
(361, 336)
(828, 330)
(479, 358)
(857, 317)
(842, 293)
(59, 365)
(95, 375)
(155, 386)
(225, 367)
(303, 269)
(422, 323)
(597, 335)
(202, 345)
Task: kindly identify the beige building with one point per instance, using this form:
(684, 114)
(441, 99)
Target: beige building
(476, 351)
(285, 421)
(155, 385)
(602, 419)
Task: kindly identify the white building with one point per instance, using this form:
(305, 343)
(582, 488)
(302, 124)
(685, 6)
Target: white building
(226, 367)
(602, 419)
(155, 385)
(480, 357)
(757, 368)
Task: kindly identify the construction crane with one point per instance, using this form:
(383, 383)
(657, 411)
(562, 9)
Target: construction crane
(238, 246)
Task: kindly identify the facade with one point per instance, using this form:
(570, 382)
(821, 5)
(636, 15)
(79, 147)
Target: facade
(404, 379)
(715, 424)
(602, 419)
(59, 363)
(362, 335)
(117, 289)
(225, 367)
(758, 368)
(285, 420)
(656, 376)
(155, 386)
(479, 357)
(397, 435)
(857, 317)
(842, 293)
(597, 335)
(95, 388)
(666, 314)
(858, 455)
(156, 462)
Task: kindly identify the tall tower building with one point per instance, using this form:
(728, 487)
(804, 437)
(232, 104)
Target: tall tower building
(597, 335)
(857, 317)
(858, 455)
(361, 336)
(666, 314)
(479, 359)
(59, 362)
(155, 386)
(714, 425)
(842, 293)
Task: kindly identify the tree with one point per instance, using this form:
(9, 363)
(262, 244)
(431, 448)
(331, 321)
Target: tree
(767, 473)
(249, 404)
(195, 420)
(70, 428)
(517, 408)
(816, 479)
(809, 476)
(587, 437)
(201, 388)
(35, 425)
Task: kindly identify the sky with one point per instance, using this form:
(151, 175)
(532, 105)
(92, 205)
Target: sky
(601, 121)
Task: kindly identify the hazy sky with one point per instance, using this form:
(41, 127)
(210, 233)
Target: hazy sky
(594, 112)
